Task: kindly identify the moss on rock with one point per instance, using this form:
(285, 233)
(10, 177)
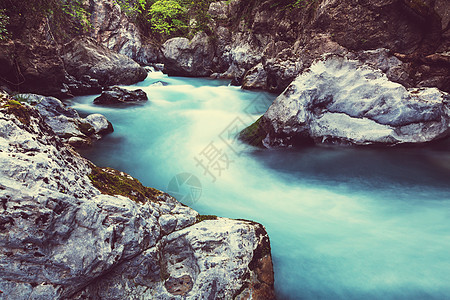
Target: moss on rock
(113, 182)
(22, 112)
(253, 134)
(201, 218)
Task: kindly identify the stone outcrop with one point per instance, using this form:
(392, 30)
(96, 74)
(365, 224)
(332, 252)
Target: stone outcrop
(343, 101)
(83, 56)
(67, 123)
(35, 68)
(117, 95)
(69, 229)
(276, 43)
(112, 29)
(185, 57)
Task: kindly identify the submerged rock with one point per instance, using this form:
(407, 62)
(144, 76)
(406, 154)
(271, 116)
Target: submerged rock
(117, 95)
(346, 102)
(160, 83)
(70, 230)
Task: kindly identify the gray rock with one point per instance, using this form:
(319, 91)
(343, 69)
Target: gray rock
(117, 95)
(287, 41)
(214, 259)
(79, 142)
(113, 29)
(344, 101)
(50, 107)
(100, 124)
(85, 86)
(167, 223)
(188, 58)
(83, 56)
(255, 78)
(62, 238)
(34, 66)
(67, 123)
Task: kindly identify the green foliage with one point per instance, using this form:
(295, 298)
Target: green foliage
(163, 19)
(14, 102)
(302, 3)
(61, 16)
(168, 17)
(134, 8)
(21, 98)
(4, 21)
(76, 10)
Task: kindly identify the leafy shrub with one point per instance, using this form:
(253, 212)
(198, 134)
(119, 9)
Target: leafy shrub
(62, 16)
(168, 17)
(162, 19)
(4, 21)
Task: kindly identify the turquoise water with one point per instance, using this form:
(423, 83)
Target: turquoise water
(344, 223)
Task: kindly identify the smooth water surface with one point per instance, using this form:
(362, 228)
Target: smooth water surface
(344, 223)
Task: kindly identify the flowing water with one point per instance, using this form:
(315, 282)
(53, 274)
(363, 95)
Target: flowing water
(344, 223)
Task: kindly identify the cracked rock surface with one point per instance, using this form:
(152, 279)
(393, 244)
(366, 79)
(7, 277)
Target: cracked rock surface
(61, 237)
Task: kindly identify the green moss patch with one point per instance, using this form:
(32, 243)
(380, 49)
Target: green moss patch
(113, 182)
(254, 134)
(22, 112)
(201, 218)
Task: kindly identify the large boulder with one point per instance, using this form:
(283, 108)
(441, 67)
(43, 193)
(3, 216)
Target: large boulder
(117, 95)
(186, 57)
(346, 102)
(70, 230)
(83, 56)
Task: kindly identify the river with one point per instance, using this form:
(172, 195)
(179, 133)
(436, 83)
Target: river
(344, 223)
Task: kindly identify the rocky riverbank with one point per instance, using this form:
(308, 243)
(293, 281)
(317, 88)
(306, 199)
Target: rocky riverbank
(69, 229)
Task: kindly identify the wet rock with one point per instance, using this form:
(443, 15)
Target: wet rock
(100, 124)
(85, 86)
(67, 123)
(342, 101)
(79, 142)
(188, 57)
(117, 95)
(83, 56)
(159, 83)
